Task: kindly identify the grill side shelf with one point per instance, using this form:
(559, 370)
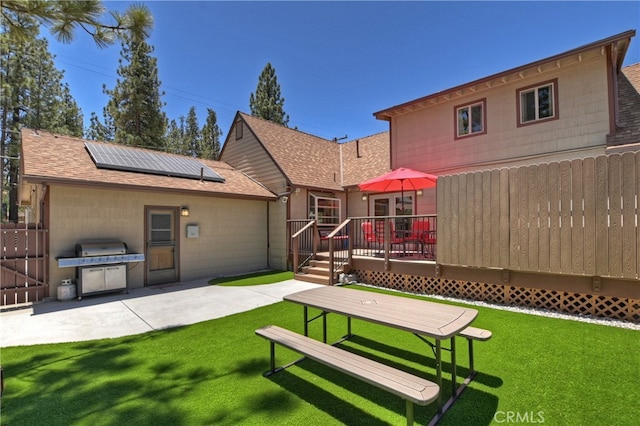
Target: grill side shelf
(72, 262)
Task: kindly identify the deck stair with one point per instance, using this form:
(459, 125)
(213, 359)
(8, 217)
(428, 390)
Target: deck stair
(317, 271)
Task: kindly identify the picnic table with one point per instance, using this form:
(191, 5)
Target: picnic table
(423, 318)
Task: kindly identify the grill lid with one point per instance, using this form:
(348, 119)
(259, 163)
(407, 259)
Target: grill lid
(101, 249)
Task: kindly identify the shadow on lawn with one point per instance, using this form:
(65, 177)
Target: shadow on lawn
(425, 358)
(481, 405)
(86, 384)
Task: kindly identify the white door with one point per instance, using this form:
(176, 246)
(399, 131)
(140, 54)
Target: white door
(162, 250)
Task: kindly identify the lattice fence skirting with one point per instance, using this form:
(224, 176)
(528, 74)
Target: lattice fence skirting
(550, 300)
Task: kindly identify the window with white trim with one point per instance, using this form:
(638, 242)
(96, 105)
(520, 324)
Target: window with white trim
(537, 103)
(470, 119)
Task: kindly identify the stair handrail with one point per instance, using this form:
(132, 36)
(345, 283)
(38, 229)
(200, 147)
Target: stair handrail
(296, 248)
(345, 260)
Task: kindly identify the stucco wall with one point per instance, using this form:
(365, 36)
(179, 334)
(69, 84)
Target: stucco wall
(424, 139)
(233, 233)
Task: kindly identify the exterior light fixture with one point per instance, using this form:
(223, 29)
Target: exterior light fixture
(364, 197)
(184, 211)
(419, 192)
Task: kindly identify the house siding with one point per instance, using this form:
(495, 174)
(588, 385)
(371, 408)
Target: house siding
(424, 139)
(250, 157)
(233, 232)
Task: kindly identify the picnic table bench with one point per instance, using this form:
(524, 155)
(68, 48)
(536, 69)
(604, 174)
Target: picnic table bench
(471, 334)
(412, 389)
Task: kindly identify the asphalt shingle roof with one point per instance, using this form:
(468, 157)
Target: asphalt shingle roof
(311, 161)
(47, 157)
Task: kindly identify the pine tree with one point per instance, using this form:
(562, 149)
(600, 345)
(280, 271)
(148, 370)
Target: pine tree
(268, 102)
(211, 133)
(135, 105)
(193, 137)
(32, 95)
(175, 141)
(63, 17)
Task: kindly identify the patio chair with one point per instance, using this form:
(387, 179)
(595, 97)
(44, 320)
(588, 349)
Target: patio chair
(394, 238)
(368, 234)
(421, 233)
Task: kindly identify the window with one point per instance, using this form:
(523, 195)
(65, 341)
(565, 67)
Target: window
(470, 119)
(325, 209)
(239, 129)
(538, 103)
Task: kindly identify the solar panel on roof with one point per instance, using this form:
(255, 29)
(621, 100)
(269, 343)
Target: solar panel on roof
(116, 157)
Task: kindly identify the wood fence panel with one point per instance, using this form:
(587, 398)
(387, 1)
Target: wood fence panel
(589, 193)
(455, 220)
(543, 217)
(514, 242)
(464, 224)
(533, 218)
(615, 216)
(554, 216)
(494, 215)
(23, 276)
(523, 218)
(505, 222)
(571, 217)
(577, 218)
(477, 220)
(488, 230)
(629, 191)
(602, 216)
(565, 217)
(443, 208)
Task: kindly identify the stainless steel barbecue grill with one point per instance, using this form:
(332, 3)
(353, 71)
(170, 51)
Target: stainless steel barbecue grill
(102, 267)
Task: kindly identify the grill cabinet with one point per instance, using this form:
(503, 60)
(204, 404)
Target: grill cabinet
(100, 274)
(101, 267)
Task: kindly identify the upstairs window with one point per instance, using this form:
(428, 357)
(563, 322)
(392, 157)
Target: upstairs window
(538, 103)
(470, 119)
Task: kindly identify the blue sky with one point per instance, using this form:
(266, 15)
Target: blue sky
(338, 62)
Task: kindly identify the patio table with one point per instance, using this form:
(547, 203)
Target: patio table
(423, 318)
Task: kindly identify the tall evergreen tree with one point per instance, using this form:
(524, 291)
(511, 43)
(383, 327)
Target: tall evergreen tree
(268, 102)
(135, 105)
(211, 133)
(32, 95)
(192, 133)
(20, 21)
(175, 140)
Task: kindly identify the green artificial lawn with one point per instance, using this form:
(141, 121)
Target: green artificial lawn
(258, 278)
(539, 369)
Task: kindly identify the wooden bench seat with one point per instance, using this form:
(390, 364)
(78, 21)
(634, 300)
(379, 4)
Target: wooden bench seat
(411, 388)
(471, 334)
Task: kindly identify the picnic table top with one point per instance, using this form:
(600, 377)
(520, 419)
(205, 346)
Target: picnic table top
(431, 319)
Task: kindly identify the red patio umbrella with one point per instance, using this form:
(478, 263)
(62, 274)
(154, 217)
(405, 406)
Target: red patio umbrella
(399, 180)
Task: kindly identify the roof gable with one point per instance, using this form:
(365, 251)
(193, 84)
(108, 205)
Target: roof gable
(617, 43)
(304, 159)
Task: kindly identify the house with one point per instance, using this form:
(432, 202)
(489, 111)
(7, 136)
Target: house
(572, 105)
(212, 224)
(313, 177)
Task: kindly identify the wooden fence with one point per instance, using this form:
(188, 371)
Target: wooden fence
(575, 217)
(23, 260)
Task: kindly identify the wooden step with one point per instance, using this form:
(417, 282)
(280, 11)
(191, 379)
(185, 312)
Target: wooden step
(316, 270)
(311, 278)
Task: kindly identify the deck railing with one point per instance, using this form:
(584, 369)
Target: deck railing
(386, 237)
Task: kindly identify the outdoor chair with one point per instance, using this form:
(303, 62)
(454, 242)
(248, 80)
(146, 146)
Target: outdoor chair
(421, 234)
(394, 238)
(368, 234)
